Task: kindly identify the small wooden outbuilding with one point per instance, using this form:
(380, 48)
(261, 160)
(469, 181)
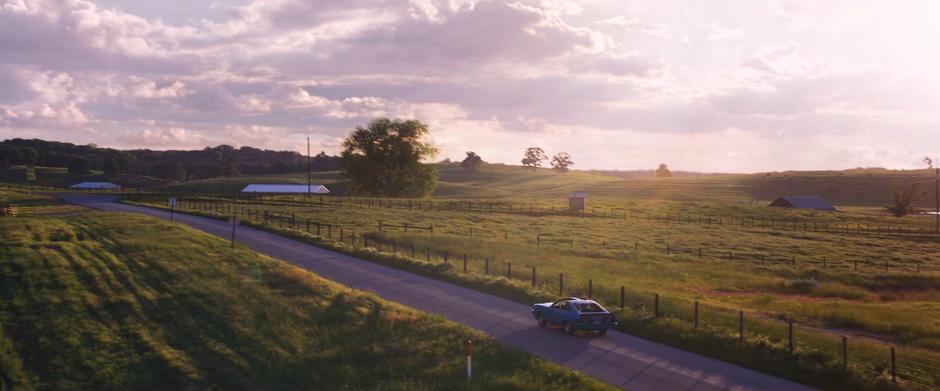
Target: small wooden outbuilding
(576, 201)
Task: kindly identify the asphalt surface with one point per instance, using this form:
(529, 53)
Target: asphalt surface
(617, 358)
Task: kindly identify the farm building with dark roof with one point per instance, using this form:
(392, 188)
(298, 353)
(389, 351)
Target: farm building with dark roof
(802, 202)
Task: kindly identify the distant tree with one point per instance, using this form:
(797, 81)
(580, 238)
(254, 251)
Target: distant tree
(472, 162)
(9, 155)
(384, 159)
(28, 156)
(111, 166)
(663, 171)
(903, 199)
(929, 162)
(561, 161)
(79, 166)
(533, 158)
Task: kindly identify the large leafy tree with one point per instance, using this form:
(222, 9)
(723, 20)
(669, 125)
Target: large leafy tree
(472, 162)
(663, 171)
(561, 162)
(904, 198)
(533, 158)
(384, 159)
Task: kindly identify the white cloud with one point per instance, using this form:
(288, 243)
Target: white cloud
(597, 78)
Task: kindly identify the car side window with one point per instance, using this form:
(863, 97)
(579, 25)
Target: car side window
(561, 305)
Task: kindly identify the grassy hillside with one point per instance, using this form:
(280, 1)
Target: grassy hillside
(498, 181)
(113, 301)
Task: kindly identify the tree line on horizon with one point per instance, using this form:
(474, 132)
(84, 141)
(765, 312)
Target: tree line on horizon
(180, 165)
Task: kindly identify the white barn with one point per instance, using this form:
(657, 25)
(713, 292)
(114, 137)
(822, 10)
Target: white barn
(274, 188)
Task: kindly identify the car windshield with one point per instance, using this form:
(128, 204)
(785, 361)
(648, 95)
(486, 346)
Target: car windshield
(588, 307)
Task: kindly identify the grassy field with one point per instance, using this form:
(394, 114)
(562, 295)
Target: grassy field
(816, 358)
(496, 181)
(841, 273)
(114, 301)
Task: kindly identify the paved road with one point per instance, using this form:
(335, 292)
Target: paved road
(617, 358)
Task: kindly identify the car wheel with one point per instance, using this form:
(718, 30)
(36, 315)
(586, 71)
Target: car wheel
(541, 320)
(602, 332)
(567, 329)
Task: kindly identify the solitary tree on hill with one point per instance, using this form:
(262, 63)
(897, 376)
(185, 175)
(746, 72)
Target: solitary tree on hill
(663, 171)
(561, 161)
(533, 158)
(472, 162)
(384, 159)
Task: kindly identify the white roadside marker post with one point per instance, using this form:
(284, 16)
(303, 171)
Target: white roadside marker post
(469, 359)
(172, 207)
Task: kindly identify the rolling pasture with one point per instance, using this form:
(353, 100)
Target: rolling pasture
(672, 245)
(112, 301)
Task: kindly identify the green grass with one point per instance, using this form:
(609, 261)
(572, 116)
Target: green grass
(898, 307)
(870, 188)
(116, 301)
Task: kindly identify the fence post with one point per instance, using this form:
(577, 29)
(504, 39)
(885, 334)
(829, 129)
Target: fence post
(790, 335)
(894, 368)
(342, 235)
(668, 249)
(465, 263)
(695, 315)
(561, 284)
(621, 298)
(741, 326)
(428, 248)
(845, 352)
(509, 270)
(486, 266)
(856, 265)
(590, 288)
(533, 276)
(656, 305)
(700, 252)
(446, 257)
(413, 251)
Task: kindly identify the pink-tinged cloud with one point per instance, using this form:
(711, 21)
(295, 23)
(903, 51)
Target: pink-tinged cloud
(773, 85)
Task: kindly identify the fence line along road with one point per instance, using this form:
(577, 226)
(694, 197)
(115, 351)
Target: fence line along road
(618, 358)
(710, 318)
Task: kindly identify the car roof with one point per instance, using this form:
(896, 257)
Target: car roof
(577, 300)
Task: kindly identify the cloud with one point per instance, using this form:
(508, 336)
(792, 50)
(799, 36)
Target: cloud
(716, 33)
(488, 74)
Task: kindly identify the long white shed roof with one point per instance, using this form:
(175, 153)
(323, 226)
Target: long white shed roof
(285, 188)
(95, 185)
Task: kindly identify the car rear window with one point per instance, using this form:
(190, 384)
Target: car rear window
(588, 307)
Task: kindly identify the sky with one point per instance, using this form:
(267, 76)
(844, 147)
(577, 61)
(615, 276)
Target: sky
(717, 86)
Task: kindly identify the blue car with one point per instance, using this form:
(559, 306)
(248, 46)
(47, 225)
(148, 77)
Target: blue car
(572, 313)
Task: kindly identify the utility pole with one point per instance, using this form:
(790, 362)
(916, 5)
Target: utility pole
(937, 194)
(308, 167)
